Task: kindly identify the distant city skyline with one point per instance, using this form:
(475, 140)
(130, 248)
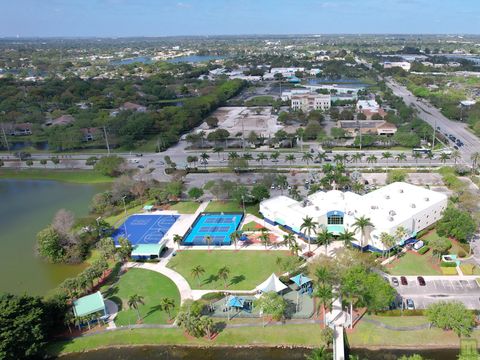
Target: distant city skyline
(123, 18)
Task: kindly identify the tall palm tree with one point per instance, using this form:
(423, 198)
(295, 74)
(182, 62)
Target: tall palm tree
(167, 305)
(324, 294)
(320, 156)
(204, 156)
(274, 156)
(323, 275)
(265, 238)
(347, 237)
(387, 155)
(196, 272)
(357, 157)
(385, 239)
(444, 157)
(261, 157)
(456, 156)
(324, 238)
(177, 239)
(401, 157)
(416, 156)
(289, 241)
(338, 158)
(361, 224)
(224, 273)
(134, 302)
(208, 240)
(429, 156)
(248, 156)
(475, 157)
(207, 325)
(217, 150)
(234, 237)
(295, 248)
(400, 233)
(290, 158)
(310, 226)
(372, 159)
(233, 155)
(307, 157)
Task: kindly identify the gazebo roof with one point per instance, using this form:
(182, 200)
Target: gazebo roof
(235, 301)
(301, 279)
(89, 304)
(147, 249)
(271, 284)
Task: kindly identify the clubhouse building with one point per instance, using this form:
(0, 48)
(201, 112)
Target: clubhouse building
(396, 205)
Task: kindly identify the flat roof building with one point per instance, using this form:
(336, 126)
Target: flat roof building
(310, 102)
(396, 205)
(371, 127)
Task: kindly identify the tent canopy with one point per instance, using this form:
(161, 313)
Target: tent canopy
(235, 301)
(301, 279)
(271, 284)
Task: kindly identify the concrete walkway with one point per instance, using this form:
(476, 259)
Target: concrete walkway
(112, 310)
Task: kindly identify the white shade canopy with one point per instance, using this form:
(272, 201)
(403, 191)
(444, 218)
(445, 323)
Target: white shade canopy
(271, 284)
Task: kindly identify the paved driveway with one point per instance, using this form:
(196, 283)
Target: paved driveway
(464, 290)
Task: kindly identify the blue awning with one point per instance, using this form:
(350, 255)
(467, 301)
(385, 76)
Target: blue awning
(301, 279)
(235, 301)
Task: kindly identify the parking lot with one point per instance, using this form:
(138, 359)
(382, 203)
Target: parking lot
(435, 289)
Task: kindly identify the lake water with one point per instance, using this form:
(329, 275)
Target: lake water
(195, 58)
(215, 353)
(140, 59)
(27, 206)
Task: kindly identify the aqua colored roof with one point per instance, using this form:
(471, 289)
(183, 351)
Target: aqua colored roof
(89, 304)
(234, 301)
(335, 229)
(301, 279)
(147, 249)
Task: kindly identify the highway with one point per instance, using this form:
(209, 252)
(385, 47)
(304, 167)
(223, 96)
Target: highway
(435, 118)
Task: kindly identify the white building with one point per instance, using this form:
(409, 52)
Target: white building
(368, 105)
(405, 65)
(287, 71)
(287, 95)
(396, 205)
(309, 102)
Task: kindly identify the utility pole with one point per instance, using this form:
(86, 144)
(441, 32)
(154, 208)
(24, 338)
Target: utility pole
(106, 139)
(434, 134)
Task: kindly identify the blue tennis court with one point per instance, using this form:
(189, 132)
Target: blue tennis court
(217, 226)
(145, 229)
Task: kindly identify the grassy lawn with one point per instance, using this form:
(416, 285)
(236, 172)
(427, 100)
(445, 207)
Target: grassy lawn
(149, 284)
(232, 206)
(414, 264)
(72, 176)
(366, 334)
(247, 268)
(252, 226)
(399, 321)
(301, 335)
(115, 220)
(185, 207)
(263, 100)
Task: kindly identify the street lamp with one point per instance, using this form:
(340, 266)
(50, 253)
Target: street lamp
(125, 222)
(243, 203)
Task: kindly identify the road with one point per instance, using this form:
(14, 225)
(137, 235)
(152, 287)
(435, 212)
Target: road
(435, 118)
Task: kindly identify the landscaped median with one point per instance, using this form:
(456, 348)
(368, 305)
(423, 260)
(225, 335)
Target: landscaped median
(308, 335)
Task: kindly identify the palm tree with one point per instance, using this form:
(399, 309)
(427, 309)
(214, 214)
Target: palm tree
(444, 157)
(234, 237)
(320, 156)
(385, 239)
(290, 158)
(361, 224)
(208, 240)
(217, 150)
(475, 157)
(248, 156)
(323, 275)
(204, 156)
(400, 233)
(167, 305)
(177, 239)
(309, 225)
(261, 157)
(416, 156)
(295, 248)
(289, 241)
(357, 157)
(324, 294)
(324, 238)
(196, 272)
(319, 354)
(387, 155)
(429, 156)
(233, 155)
(347, 237)
(456, 156)
(223, 273)
(401, 157)
(307, 157)
(274, 156)
(133, 303)
(338, 158)
(265, 238)
(207, 325)
(371, 159)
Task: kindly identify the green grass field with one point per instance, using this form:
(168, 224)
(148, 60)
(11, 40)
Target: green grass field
(247, 268)
(115, 220)
(185, 207)
(149, 284)
(72, 176)
(414, 264)
(300, 335)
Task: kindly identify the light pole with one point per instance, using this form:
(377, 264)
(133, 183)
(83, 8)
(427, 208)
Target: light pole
(243, 203)
(125, 222)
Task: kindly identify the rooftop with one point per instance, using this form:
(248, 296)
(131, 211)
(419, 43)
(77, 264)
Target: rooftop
(89, 304)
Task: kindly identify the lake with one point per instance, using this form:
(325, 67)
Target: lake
(195, 58)
(26, 207)
(221, 353)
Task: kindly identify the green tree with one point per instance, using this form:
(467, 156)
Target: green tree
(23, 324)
(439, 246)
(347, 237)
(134, 301)
(270, 303)
(167, 305)
(457, 224)
(325, 238)
(362, 224)
(195, 193)
(125, 249)
(223, 274)
(106, 246)
(49, 245)
(110, 165)
(260, 192)
(320, 354)
(324, 294)
(327, 335)
(177, 239)
(401, 157)
(451, 315)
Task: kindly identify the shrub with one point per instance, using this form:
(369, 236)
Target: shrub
(213, 296)
(399, 312)
(449, 271)
(461, 254)
(467, 269)
(448, 264)
(423, 250)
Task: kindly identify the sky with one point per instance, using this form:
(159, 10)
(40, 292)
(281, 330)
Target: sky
(117, 18)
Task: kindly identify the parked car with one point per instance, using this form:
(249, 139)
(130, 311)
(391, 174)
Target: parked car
(404, 280)
(410, 304)
(418, 245)
(421, 281)
(395, 281)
